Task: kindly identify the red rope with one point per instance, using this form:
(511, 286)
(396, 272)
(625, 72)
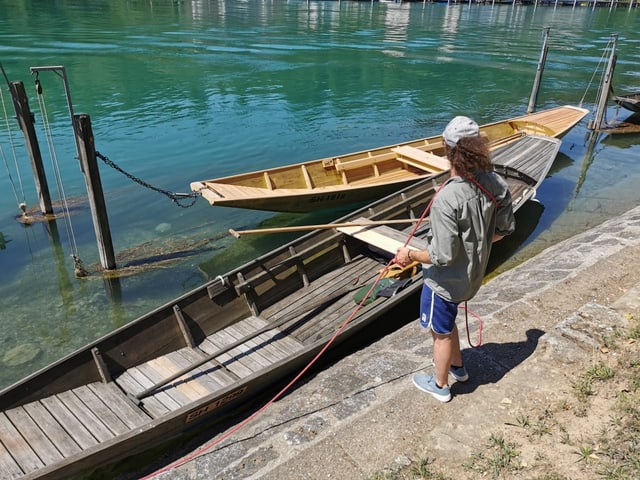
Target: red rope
(466, 319)
(227, 434)
(236, 428)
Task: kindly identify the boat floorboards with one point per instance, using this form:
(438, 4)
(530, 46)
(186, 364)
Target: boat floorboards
(51, 429)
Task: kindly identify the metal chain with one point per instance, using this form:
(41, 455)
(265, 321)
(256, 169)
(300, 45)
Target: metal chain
(175, 197)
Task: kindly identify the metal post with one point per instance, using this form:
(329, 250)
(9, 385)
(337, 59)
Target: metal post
(605, 88)
(543, 59)
(86, 144)
(25, 120)
(60, 70)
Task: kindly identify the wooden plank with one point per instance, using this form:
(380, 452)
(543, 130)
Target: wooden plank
(88, 418)
(285, 343)
(329, 323)
(382, 237)
(54, 431)
(68, 420)
(117, 401)
(387, 177)
(18, 447)
(31, 432)
(233, 359)
(101, 410)
(247, 357)
(307, 178)
(156, 376)
(217, 372)
(145, 382)
(184, 384)
(8, 466)
(342, 166)
(255, 348)
(261, 344)
(202, 374)
(267, 180)
(342, 306)
(297, 302)
(419, 158)
(151, 404)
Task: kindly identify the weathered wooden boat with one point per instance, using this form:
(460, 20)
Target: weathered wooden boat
(629, 101)
(366, 175)
(219, 345)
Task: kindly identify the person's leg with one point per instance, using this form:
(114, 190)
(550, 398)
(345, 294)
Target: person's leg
(456, 353)
(442, 354)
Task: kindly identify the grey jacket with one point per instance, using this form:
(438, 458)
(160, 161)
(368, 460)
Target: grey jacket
(463, 221)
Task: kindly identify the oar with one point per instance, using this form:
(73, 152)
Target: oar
(308, 308)
(325, 226)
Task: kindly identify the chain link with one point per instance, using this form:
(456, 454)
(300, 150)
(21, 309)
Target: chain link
(175, 197)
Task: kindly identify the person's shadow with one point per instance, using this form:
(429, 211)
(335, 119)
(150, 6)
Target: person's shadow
(490, 362)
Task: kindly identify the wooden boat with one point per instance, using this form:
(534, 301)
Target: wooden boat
(367, 175)
(630, 101)
(218, 346)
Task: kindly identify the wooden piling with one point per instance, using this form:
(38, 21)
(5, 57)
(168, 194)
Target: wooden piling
(25, 120)
(536, 84)
(87, 152)
(605, 88)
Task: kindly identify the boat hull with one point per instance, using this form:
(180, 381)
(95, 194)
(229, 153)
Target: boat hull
(366, 175)
(630, 102)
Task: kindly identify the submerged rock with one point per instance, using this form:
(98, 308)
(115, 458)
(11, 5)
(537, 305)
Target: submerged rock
(20, 355)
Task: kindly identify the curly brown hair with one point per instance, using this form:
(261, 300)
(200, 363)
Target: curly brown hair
(469, 155)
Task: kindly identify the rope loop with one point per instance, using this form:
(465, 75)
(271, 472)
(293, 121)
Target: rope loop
(175, 197)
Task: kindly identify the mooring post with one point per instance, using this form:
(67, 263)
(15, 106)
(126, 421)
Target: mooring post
(25, 120)
(536, 84)
(605, 88)
(87, 152)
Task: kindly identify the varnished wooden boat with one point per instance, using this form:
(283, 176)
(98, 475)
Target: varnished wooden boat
(219, 345)
(630, 101)
(367, 175)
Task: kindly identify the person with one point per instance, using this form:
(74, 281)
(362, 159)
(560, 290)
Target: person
(472, 210)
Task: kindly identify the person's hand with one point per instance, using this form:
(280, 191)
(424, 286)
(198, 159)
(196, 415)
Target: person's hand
(402, 256)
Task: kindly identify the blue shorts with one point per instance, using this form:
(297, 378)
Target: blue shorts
(437, 313)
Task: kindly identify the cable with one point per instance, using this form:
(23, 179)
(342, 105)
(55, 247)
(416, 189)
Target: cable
(594, 74)
(56, 169)
(22, 204)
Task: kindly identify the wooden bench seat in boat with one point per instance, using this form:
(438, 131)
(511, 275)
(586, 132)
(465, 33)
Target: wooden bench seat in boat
(372, 160)
(421, 159)
(383, 237)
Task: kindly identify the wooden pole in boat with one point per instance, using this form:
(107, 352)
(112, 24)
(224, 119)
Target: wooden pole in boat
(326, 226)
(536, 84)
(25, 120)
(89, 165)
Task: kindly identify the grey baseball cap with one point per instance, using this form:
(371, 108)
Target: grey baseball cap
(458, 128)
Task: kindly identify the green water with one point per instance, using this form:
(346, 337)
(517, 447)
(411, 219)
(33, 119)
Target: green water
(184, 91)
